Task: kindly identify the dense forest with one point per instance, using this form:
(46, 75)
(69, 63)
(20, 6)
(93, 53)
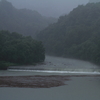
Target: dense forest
(76, 35)
(18, 49)
(23, 21)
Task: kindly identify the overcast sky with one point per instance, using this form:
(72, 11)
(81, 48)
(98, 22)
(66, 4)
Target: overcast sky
(53, 8)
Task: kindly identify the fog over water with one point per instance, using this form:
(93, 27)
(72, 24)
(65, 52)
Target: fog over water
(53, 8)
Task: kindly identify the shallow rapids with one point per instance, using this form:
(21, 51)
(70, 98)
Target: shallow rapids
(59, 65)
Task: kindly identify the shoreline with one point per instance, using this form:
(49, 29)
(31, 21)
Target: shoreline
(38, 81)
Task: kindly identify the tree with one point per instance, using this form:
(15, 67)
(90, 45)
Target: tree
(19, 49)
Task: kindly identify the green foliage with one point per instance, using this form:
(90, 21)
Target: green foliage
(15, 48)
(23, 21)
(76, 35)
(4, 65)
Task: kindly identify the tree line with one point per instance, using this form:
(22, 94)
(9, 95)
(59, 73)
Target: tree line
(18, 49)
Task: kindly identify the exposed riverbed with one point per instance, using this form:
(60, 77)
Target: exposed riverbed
(56, 79)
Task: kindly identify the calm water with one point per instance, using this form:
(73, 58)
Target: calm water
(78, 88)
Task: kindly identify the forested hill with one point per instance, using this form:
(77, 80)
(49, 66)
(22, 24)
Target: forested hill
(76, 35)
(24, 21)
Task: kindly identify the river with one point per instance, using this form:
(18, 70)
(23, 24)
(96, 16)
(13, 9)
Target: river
(84, 83)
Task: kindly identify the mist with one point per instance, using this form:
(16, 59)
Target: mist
(49, 8)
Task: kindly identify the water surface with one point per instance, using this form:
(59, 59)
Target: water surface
(78, 88)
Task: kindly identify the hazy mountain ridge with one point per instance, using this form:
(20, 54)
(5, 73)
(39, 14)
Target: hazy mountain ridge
(94, 1)
(24, 21)
(76, 35)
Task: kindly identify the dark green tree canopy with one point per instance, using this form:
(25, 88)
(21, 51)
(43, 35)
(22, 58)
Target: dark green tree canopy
(19, 49)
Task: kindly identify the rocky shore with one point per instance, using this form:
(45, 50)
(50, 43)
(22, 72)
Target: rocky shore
(37, 81)
(33, 81)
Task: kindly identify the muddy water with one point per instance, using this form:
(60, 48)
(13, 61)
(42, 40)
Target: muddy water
(78, 88)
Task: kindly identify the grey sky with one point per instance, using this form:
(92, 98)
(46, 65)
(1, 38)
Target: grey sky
(52, 8)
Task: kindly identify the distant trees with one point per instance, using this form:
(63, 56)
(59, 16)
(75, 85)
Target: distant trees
(15, 48)
(76, 35)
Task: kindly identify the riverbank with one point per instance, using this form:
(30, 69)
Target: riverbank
(54, 62)
(38, 81)
(33, 81)
(54, 72)
(29, 85)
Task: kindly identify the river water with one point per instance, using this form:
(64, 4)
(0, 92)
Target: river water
(78, 88)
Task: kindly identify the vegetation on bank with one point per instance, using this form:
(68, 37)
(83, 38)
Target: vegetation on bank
(4, 65)
(18, 49)
(76, 35)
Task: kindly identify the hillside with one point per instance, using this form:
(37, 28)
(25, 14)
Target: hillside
(76, 35)
(24, 21)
